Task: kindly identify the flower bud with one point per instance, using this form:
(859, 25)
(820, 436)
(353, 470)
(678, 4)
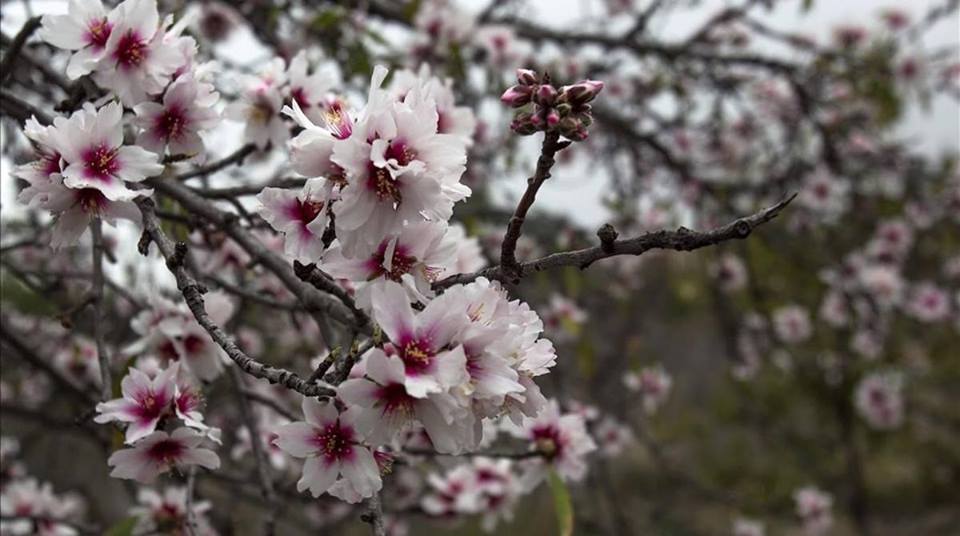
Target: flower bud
(546, 95)
(582, 92)
(552, 118)
(526, 77)
(523, 124)
(516, 96)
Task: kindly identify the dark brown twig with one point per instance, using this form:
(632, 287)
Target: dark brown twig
(682, 239)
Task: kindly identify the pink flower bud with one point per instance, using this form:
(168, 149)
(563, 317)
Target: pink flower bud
(526, 77)
(546, 95)
(553, 118)
(516, 96)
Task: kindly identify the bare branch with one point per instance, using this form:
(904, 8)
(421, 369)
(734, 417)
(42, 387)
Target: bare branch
(508, 259)
(682, 239)
(235, 158)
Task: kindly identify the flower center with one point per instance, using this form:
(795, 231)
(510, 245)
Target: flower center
(417, 357)
(401, 152)
(90, 200)
(383, 185)
(131, 50)
(171, 124)
(395, 399)
(299, 95)
(166, 451)
(101, 162)
(309, 210)
(98, 31)
(335, 442)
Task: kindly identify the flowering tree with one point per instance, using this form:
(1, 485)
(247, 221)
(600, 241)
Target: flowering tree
(316, 308)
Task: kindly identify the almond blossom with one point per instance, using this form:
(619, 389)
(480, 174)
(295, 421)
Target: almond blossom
(167, 512)
(90, 142)
(385, 407)
(562, 441)
(145, 401)
(414, 257)
(174, 124)
(41, 512)
(421, 340)
(879, 399)
(814, 509)
(259, 106)
(85, 29)
(653, 383)
(792, 324)
(329, 442)
(928, 303)
(301, 216)
(160, 452)
(137, 61)
(398, 169)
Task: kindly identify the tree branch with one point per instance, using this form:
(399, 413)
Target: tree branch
(682, 239)
(508, 259)
(174, 255)
(10, 58)
(96, 295)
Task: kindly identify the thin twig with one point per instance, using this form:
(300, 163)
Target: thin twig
(508, 250)
(174, 255)
(682, 239)
(259, 457)
(234, 158)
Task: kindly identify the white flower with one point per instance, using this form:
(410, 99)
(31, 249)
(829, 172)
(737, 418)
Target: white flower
(384, 406)
(563, 442)
(301, 216)
(138, 61)
(748, 527)
(175, 123)
(159, 452)
(259, 107)
(91, 144)
(413, 257)
(166, 513)
(331, 446)
(85, 29)
(145, 401)
(308, 91)
(928, 303)
(653, 383)
(879, 399)
(792, 324)
(398, 169)
(814, 508)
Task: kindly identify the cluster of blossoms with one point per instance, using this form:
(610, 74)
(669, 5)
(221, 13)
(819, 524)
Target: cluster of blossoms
(152, 403)
(83, 161)
(28, 506)
(484, 486)
(565, 110)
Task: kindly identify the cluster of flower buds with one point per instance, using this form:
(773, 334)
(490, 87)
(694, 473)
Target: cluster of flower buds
(565, 110)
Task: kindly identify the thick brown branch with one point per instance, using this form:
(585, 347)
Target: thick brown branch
(682, 239)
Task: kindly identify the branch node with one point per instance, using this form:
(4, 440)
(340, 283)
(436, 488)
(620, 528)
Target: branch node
(607, 235)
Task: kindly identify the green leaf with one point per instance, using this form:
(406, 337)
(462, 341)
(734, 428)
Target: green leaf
(561, 504)
(123, 528)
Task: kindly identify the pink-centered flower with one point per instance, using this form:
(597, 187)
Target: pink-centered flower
(138, 61)
(814, 509)
(329, 442)
(385, 407)
(421, 340)
(879, 399)
(174, 124)
(159, 452)
(145, 401)
(398, 169)
(563, 441)
(90, 142)
(414, 257)
(301, 216)
(259, 107)
(85, 29)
